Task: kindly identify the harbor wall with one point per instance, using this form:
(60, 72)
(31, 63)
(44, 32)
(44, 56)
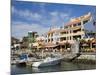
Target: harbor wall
(85, 59)
(88, 57)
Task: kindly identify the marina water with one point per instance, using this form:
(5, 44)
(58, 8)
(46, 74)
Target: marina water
(64, 66)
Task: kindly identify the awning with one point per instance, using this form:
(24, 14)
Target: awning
(50, 45)
(63, 43)
(94, 41)
(85, 44)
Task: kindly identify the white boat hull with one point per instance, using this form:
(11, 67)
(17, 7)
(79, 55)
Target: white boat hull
(48, 63)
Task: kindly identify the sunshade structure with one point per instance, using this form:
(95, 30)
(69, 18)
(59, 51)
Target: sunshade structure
(50, 45)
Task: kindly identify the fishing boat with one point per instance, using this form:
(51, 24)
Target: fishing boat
(48, 61)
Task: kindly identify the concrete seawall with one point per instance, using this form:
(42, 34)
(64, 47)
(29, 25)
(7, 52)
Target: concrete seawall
(85, 58)
(88, 57)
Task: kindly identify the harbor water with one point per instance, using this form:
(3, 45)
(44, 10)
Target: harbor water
(64, 66)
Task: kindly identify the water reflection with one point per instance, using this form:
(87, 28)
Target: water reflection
(64, 66)
(47, 69)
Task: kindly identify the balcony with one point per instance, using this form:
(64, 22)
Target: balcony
(76, 27)
(79, 33)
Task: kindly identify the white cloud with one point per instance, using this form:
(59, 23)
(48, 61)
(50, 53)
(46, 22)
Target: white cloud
(13, 9)
(55, 17)
(54, 13)
(64, 15)
(60, 17)
(26, 14)
(20, 29)
(60, 14)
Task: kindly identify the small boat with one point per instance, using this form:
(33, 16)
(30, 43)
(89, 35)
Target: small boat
(22, 60)
(48, 61)
(21, 63)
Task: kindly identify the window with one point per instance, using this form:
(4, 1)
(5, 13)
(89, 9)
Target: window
(67, 38)
(74, 25)
(48, 40)
(79, 24)
(63, 38)
(52, 39)
(70, 37)
(63, 32)
(85, 21)
(70, 31)
(65, 27)
(45, 40)
(67, 32)
(70, 26)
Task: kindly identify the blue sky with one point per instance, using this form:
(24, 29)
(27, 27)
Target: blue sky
(35, 16)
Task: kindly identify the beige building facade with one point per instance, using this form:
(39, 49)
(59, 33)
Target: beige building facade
(71, 31)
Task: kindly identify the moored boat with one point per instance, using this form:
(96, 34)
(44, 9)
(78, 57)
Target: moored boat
(22, 60)
(48, 61)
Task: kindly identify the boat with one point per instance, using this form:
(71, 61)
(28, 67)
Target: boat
(22, 60)
(48, 61)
